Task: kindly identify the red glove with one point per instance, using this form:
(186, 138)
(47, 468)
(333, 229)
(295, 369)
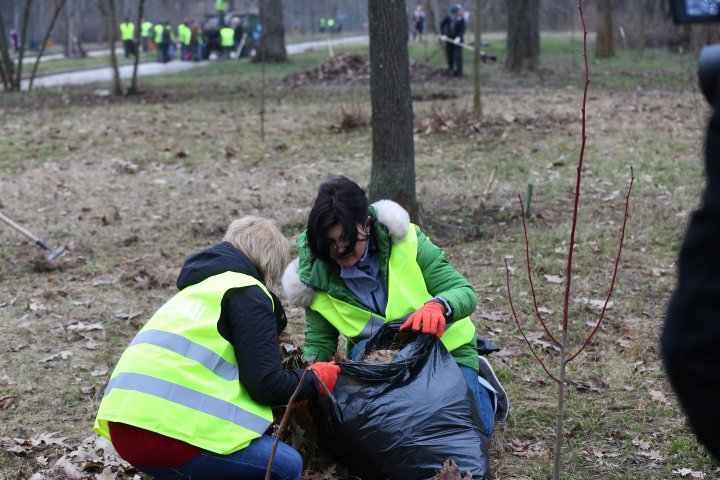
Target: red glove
(432, 317)
(328, 372)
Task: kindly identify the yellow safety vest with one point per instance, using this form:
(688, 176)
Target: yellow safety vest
(158, 33)
(184, 33)
(127, 31)
(227, 37)
(179, 376)
(406, 293)
(146, 28)
(221, 5)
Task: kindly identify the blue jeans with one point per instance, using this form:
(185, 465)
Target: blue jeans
(482, 399)
(248, 463)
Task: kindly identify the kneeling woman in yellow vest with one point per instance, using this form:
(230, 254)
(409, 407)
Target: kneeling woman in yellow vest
(192, 393)
(363, 265)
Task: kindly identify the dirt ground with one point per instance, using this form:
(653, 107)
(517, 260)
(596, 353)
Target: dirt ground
(130, 188)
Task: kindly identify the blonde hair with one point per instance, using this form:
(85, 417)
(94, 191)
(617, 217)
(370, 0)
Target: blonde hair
(263, 243)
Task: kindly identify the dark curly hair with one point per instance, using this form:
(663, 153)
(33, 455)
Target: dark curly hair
(339, 201)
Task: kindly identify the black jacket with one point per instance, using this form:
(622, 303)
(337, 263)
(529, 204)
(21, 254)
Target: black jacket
(247, 321)
(691, 337)
(453, 28)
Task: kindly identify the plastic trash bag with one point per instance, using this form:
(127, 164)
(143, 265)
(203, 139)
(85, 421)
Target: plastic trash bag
(402, 420)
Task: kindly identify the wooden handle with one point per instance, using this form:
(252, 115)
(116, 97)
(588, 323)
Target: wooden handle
(18, 228)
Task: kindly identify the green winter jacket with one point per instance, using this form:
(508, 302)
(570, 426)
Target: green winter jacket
(441, 279)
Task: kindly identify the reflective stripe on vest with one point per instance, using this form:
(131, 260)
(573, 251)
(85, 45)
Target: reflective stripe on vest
(182, 346)
(406, 293)
(189, 398)
(179, 376)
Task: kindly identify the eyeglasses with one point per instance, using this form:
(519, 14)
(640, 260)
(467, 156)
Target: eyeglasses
(340, 246)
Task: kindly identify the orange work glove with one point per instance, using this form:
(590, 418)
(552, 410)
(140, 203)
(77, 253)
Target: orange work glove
(328, 372)
(432, 317)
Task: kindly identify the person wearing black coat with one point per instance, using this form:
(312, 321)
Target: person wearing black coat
(690, 340)
(452, 29)
(177, 403)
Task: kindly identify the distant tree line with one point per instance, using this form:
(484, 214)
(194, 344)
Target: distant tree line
(634, 21)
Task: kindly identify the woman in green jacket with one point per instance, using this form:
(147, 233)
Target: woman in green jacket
(363, 265)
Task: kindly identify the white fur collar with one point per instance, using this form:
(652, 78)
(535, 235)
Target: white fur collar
(389, 213)
(394, 217)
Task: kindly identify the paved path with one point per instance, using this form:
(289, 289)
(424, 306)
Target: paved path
(152, 68)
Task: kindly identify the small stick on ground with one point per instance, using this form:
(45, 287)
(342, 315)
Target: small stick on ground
(488, 189)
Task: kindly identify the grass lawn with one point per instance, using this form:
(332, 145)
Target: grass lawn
(133, 185)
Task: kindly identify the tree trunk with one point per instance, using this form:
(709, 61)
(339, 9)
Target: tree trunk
(107, 8)
(23, 41)
(138, 42)
(59, 5)
(643, 22)
(6, 61)
(477, 102)
(604, 47)
(523, 44)
(393, 159)
(272, 41)
(431, 17)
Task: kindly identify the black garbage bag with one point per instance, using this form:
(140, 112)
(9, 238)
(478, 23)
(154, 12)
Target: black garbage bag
(402, 420)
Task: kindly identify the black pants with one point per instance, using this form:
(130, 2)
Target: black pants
(454, 58)
(129, 47)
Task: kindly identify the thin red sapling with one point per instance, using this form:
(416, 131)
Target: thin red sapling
(562, 342)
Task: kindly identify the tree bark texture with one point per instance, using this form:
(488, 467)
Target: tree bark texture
(604, 46)
(272, 42)
(523, 34)
(393, 158)
(138, 43)
(107, 8)
(477, 100)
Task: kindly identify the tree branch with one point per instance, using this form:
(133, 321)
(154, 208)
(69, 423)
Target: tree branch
(529, 273)
(615, 270)
(517, 322)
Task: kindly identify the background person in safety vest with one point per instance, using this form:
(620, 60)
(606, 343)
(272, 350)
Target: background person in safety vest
(227, 40)
(167, 39)
(221, 8)
(127, 35)
(192, 393)
(360, 266)
(158, 29)
(146, 32)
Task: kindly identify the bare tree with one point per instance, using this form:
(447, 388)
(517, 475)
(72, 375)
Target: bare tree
(107, 9)
(11, 71)
(604, 45)
(523, 35)
(477, 103)
(138, 41)
(6, 62)
(272, 41)
(393, 157)
(564, 348)
(59, 5)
